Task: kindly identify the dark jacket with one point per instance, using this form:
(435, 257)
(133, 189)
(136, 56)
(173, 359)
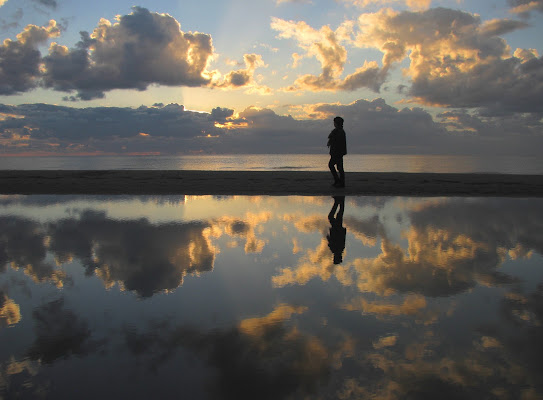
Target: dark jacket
(337, 142)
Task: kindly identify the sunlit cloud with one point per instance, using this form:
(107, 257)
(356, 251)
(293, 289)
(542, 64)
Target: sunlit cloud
(313, 263)
(413, 4)
(525, 6)
(326, 46)
(413, 305)
(460, 54)
(385, 341)
(440, 258)
(256, 326)
(269, 350)
(20, 59)
(243, 228)
(139, 49)
(243, 78)
(10, 312)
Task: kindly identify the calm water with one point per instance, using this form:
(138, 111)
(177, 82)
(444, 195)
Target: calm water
(271, 162)
(270, 297)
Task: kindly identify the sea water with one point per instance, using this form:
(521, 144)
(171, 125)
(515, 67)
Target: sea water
(284, 162)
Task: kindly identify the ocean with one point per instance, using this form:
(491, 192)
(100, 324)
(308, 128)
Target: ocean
(285, 162)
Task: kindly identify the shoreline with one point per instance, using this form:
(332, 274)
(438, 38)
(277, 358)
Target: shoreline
(282, 183)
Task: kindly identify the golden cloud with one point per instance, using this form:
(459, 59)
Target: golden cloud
(243, 228)
(10, 313)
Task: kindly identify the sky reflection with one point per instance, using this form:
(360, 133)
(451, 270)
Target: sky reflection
(270, 297)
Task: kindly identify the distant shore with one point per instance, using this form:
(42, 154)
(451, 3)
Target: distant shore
(266, 183)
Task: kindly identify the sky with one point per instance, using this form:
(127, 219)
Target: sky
(268, 76)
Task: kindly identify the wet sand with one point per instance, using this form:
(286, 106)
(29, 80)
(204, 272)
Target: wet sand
(266, 183)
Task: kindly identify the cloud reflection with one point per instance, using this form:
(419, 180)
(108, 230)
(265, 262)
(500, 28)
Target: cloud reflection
(451, 246)
(262, 357)
(60, 333)
(425, 304)
(10, 313)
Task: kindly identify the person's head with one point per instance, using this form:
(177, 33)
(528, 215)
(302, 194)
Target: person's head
(338, 122)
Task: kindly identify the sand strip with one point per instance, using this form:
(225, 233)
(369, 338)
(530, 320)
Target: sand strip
(266, 183)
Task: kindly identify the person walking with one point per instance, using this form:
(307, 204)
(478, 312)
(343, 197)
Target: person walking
(338, 148)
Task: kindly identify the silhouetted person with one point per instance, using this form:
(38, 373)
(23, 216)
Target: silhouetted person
(336, 238)
(338, 148)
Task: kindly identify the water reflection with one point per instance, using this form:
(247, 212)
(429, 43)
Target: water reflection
(336, 237)
(271, 297)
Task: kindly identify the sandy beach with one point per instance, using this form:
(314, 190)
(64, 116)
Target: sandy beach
(266, 183)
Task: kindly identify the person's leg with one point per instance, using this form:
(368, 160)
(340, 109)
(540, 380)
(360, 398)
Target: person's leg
(332, 213)
(331, 165)
(341, 171)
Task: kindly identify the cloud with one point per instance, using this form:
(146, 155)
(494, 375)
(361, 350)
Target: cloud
(525, 6)
(52, 128)
(244, 77)
(371, 126)
(219, 114)
(12, 21)
(278, 2)
(326, 46)
(137, 255)
(242, 228)
(262, 357)
(20, 59)
(29, 251)
(413, 4)
(10, 312)
(455, 59)
(140, 49)
(47, 3)
(451, 247)
(60, 333)
(137, 50)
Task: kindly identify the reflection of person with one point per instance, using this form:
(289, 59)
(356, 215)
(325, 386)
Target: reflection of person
(338, 148)
(336, 238)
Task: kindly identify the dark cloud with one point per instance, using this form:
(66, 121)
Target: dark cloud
(522, 333)
(22, 244)
(372, 127)
(140, 49)
(12, 21)
(142, 257)
(168, 129)
(46, 3)
(220, 114)
(505, 84)
(261, 358)
(60, 334)
(20, 59)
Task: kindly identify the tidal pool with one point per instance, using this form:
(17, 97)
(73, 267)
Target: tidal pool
(270, 297)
